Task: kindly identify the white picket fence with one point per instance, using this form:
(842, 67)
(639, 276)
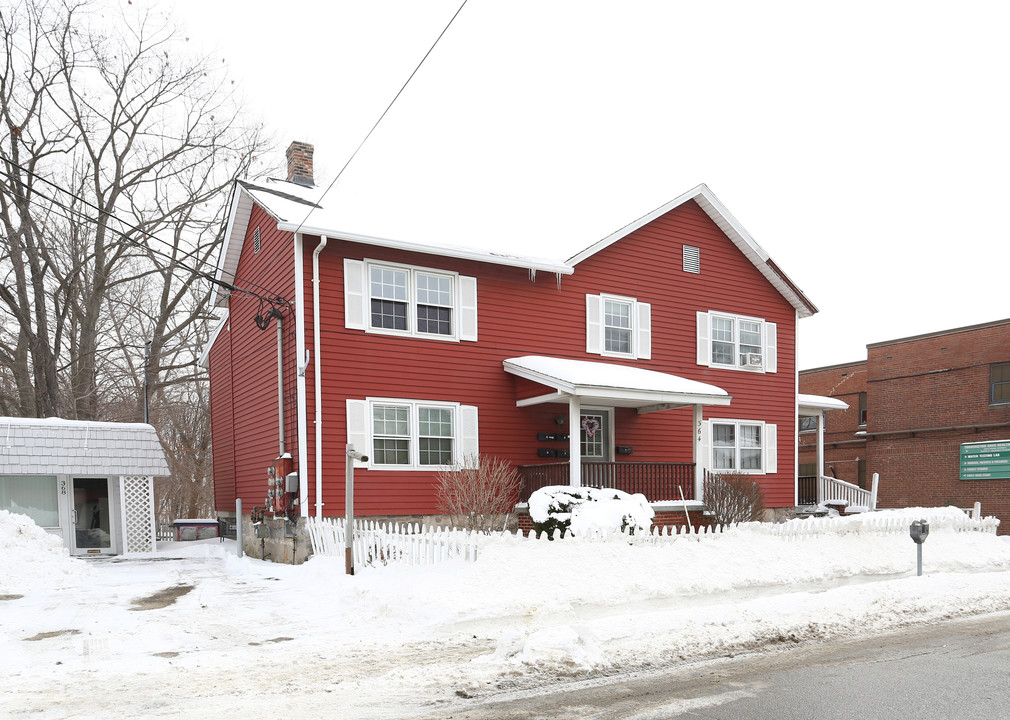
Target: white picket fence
(375, 543)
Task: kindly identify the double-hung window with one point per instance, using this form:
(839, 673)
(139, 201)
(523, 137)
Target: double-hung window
(999, 383)
(618, 326)
(739, 446)
(412, 434)
(736, 342)
(394, 299)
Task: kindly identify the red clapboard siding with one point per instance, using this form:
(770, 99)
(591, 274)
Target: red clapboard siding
(250, 370)
(518, 315)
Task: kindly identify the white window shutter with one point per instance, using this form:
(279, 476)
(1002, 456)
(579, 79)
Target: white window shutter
(467, 308)
(357, 428)
(771, 342)
(644, 331)
(594, 325)
(355, 285)
(705, 445)
(468, 440)
(771, 448)
(704, 344)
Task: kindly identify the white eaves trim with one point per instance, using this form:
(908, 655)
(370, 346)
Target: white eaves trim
(205, 355)
(621, 385)
(543, 264)
(817, 403)
(722, 217)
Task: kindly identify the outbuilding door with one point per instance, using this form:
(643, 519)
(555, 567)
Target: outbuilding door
(91, 520)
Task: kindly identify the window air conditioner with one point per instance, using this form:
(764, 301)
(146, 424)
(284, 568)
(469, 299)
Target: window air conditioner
(752, 360)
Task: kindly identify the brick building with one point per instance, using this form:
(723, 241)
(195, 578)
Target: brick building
(912, 404)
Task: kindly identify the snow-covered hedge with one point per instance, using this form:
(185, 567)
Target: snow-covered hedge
(581, 510)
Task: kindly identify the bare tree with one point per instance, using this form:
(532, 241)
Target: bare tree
(115, 174)
(734, 498)
(479, 496)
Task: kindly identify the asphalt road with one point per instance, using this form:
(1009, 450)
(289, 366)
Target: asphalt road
(957, 669)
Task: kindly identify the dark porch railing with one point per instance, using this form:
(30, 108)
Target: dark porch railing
(806, 490)
(657, 481)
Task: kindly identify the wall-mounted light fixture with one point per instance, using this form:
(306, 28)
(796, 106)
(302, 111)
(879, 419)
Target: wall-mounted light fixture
(560, 420)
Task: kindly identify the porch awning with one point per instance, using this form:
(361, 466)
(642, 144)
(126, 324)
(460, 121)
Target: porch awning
(813, 405)
(611, 384)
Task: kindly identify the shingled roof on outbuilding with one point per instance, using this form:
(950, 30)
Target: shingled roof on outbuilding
(53, 446)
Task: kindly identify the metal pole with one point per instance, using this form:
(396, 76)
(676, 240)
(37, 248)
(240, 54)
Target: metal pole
(350, 457)
(238, 525)
(918, 559)
(349, 511)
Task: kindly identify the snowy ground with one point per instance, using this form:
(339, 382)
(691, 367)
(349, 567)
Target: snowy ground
(192, 629)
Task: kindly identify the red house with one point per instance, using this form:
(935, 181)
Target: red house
(641, 360)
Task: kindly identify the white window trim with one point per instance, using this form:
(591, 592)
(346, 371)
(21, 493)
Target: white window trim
(358, 300)
(464, 431)
(769, 446)
(641, 326)
(769, 342)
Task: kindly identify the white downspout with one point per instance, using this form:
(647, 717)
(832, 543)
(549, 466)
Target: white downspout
(303, 362)
(317, 372)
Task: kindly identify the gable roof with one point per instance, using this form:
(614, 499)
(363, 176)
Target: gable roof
(298, 208)
(29, 446)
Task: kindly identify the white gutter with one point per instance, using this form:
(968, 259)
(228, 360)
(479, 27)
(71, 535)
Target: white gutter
(301, 362)
(546, 265)
(318, 375)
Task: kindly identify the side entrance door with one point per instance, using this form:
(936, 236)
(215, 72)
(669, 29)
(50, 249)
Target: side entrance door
(91, 517)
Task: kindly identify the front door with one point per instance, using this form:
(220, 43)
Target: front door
(595, 433)
(91, 517)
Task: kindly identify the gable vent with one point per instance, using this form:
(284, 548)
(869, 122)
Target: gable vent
(692, 259)
(256, 241)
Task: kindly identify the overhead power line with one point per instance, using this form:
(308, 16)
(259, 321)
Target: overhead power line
(71, 214)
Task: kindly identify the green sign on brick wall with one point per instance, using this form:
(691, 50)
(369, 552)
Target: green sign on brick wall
(985, 460)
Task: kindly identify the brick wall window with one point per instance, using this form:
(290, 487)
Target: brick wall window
(999, 383)
(862, 408)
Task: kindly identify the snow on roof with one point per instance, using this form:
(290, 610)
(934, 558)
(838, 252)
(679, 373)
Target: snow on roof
(54, 446)
(306, 210)
(820, 402)
(625, 385)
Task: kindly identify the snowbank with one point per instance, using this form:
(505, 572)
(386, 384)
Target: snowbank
(31, 558)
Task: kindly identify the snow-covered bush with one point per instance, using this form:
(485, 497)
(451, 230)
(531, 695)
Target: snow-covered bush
(583, 509)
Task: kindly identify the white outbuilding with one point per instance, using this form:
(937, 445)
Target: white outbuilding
(91, 483)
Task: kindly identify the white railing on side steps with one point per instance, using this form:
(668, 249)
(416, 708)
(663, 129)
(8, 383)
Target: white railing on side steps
(832, 489)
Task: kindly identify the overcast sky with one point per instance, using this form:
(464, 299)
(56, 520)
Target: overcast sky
(864, 145)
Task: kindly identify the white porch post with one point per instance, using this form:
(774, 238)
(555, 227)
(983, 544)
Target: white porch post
(574, 437)
(820, 444)
(696, 455)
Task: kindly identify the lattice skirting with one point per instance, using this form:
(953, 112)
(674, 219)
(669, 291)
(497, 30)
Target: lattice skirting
(137, 493)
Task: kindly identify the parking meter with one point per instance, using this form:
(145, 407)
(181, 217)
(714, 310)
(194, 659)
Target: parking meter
(919, 531)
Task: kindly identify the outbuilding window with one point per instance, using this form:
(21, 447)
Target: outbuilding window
(31, 495)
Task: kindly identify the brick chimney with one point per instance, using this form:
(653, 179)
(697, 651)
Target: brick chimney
(299, 156)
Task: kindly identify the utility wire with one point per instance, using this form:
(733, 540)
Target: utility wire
(71, 214)
(381, 117)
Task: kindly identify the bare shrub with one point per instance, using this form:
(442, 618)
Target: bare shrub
(480, 495)
(733, 499)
